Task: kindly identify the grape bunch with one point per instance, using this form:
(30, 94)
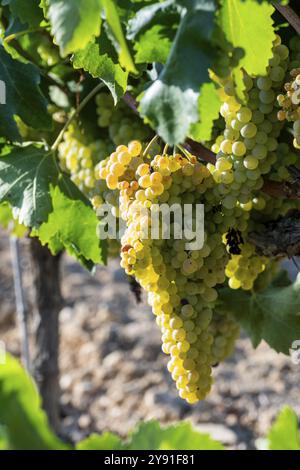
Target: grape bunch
(78, 157)
(272, 208)
(180, 283)
(105, 109)
(247, 150)
(289, 103)
(244, 268)
(289, 100)
(225, 332)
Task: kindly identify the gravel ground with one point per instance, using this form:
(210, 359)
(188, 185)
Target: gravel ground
(113, 373)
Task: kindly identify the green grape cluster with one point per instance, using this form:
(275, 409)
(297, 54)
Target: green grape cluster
(284, 158)
(247, 150)
(123, 125)
(79, 158)
(227, 58)
(105, 109)
(244, 268)
(225, 332)
(289, 100)
(180, 282)
(289, 103)
(271, 208)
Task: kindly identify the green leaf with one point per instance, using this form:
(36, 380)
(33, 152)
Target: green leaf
(171, 103)
(209, 107)
(106, 441)
(145, 16)
(152, 46)
(25, 178)
(25, 423)
(5, 215)
(72, 225)
(284, 434)
(47, 201)
(272, 315)
(150, 436)
(4, 445)
(28, 12)
(44, 6)
(22, 97)
(113, 20)
(100, 65)
(74, 23)
(206, 5)
(7, 221)
(249, 25)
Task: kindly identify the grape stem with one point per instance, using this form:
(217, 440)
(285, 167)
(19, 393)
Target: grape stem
(19, 34)
(184, 151)
(165, 150)
(152, 141)
(200, 151)
(74, 114)
(289, 14)
(272, 188)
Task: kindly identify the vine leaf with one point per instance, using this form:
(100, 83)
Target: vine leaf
(100, 65)
(147, 15)
(209, 107)
(284, 434)
(23, 95)
(21, 410)
(151, 436)
(152, 46)
(28, 12)
(113, 20)
(107, 441)
(206, 5)
(45, 200)
(272, 315)
(178, 437)
(25, 178)
(171, 102)
(74, 23)
(249, 25)
(5, 214)
(7, 221)
(3, 439)
(72, 225)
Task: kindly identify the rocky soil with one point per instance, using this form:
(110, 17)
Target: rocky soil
(113, 373)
